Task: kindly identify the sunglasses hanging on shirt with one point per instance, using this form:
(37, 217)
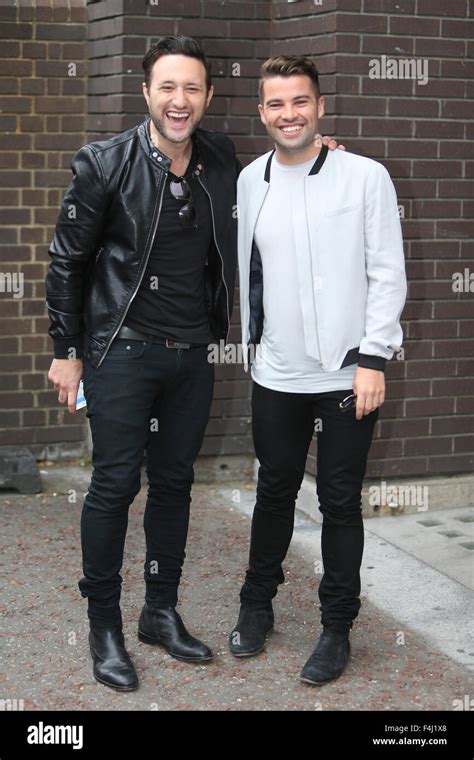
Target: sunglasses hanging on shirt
(182, 192)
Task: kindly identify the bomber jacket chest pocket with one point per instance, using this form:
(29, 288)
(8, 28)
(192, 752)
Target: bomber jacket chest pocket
(340, 210)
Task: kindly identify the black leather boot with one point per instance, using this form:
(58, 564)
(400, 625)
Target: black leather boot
(248, 637)
(328, 659)
(164, 627)
(112, 664)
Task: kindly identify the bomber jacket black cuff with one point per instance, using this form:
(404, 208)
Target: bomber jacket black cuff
(370, 361)
(63, 347)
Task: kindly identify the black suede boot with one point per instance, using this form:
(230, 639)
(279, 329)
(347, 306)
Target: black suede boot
(112, 664)
(164, 627)
(329, 658)
(248, 637)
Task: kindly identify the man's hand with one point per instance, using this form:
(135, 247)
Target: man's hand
(369, 387)
(65, 374)
(332, 143)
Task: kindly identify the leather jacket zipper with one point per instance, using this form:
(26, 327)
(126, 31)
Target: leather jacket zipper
(147, 256)
(220, 254)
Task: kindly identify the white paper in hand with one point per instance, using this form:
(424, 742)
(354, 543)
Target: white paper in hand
(80, 401)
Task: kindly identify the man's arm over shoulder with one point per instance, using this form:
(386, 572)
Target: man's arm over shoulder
(75, 240)
(385, 266)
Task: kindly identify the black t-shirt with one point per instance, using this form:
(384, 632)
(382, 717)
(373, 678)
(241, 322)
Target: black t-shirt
(170, 302)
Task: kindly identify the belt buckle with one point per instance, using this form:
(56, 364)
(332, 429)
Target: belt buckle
(170, 343)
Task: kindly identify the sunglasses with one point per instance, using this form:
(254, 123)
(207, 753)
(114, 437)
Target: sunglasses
(348, 402)
(182, 192)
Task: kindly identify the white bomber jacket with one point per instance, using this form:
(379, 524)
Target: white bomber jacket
(354, 288)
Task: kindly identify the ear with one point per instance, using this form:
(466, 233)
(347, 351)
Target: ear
(262, 114)
(210, 95)
(320, 107)
(145, 93)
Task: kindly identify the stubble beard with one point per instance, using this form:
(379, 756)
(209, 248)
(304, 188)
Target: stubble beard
(297, 146)
(161, 129)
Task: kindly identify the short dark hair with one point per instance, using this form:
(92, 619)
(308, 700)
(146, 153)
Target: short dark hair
(289, 66)
(175, 45)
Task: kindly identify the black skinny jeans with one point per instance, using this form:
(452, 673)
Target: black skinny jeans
(283, 426)
(141, 386)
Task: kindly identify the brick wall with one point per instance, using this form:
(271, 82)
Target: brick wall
(423, 135)
(420, 132)
(42, 118)
(236, 36)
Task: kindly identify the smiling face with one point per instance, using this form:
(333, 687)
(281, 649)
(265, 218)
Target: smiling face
(291, 111)
(177, 98)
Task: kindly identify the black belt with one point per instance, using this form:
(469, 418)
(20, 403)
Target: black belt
(129, 334)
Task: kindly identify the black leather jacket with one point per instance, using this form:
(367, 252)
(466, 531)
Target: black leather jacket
(105, 232)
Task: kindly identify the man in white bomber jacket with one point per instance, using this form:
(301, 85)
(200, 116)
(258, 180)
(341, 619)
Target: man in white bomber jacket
(322, 288)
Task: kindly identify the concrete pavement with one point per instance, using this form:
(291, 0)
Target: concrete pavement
(410, 648)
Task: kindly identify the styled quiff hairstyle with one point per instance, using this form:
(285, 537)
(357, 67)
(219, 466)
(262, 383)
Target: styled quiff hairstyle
(178, 45)
(288, 66)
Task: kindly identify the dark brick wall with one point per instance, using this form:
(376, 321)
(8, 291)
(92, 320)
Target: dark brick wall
(42, 103)
(236, 36)
(422, 134)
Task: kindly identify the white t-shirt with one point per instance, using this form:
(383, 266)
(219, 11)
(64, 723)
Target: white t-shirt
(281, 362)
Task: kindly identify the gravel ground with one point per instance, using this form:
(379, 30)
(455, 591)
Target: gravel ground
(44, 625)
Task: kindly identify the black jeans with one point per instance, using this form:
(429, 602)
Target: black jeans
(144, 396)
(283, 426)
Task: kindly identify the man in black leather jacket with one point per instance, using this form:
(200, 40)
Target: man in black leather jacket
(136, 326)
(141, 281)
